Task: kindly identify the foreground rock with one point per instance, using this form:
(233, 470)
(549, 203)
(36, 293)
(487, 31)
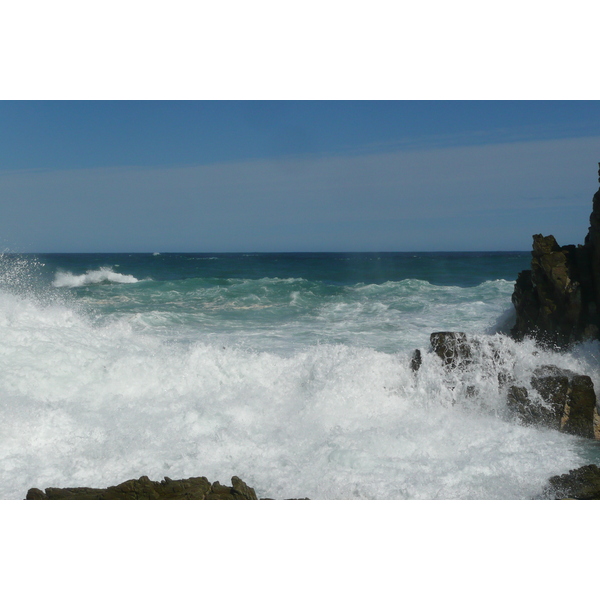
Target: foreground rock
(556, 398)
(194, 488)
(452, 347)
(459, 351)
(557, 301)
(566, 402)
(578, 484)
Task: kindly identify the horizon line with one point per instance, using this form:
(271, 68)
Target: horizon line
(250, 252)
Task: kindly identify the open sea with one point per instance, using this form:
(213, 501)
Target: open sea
(289, 370)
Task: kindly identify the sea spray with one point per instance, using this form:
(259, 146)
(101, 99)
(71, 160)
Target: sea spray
(308, 392)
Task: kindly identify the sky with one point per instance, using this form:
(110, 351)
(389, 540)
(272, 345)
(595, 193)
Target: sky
(277, 176)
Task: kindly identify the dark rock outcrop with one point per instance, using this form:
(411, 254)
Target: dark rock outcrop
(416, 361)
(557, 301)
(194, 488)
(578, 484)
(567, 402)
(556, 398)
(452, 347)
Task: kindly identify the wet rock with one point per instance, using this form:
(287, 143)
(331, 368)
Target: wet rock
(548, 299)
(505, 378)
(548, 413)
(577, 484)
(240, 490)
(35, 494)
(520, 404)
(194, 488)
(557, 300)
(452, 347)
(566, 401)
(581, 407)
(416, 361)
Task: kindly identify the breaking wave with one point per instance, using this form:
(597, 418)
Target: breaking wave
(310, 403)
(103, 275)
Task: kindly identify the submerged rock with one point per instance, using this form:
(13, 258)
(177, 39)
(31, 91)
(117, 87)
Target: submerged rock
(194, 488)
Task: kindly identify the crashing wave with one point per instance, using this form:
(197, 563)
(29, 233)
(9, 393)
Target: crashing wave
(102, 275)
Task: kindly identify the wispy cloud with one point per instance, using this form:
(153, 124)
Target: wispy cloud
(330, 202)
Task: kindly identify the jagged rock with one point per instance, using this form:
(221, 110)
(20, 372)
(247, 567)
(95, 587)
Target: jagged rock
(549, 299)
(577, 484)
(568, 401)
(557, 300)
(194, 488)
(241, 490)
(452, 347)
(565, 400)
(462, 352)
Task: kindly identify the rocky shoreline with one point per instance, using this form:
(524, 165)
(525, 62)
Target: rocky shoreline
(194, 488)
(566, 402)
(557, 303)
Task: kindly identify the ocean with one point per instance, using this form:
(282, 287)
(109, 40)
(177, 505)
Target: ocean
(291, 371)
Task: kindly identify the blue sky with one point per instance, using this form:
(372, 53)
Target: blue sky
(295, 175)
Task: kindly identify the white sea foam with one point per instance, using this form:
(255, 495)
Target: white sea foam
(89, 405)
(102, 275)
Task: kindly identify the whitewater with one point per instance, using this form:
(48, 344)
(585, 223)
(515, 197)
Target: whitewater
(290, 371)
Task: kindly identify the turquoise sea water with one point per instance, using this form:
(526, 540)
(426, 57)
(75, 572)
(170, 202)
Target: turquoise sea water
(382, 301)
(289, 370)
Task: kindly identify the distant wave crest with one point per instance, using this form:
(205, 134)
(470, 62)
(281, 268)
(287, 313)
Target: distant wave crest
(102, 275)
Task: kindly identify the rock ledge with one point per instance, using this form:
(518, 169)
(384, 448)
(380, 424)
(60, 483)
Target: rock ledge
(194, 488)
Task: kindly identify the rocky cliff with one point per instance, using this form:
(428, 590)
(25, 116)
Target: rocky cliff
(557, 301)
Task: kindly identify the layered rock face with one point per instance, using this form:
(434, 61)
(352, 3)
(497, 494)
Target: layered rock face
(557, 301)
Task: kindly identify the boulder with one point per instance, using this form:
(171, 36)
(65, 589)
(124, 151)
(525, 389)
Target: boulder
(533, 413)
(566, 401)
(194, 488)
(452, 347)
